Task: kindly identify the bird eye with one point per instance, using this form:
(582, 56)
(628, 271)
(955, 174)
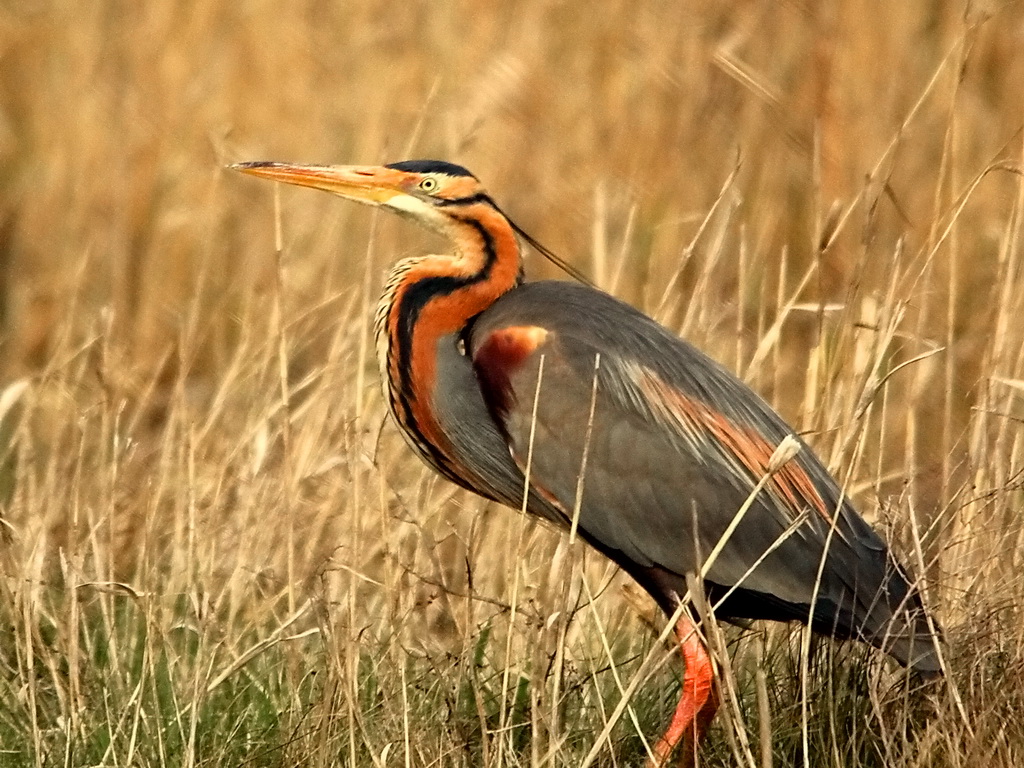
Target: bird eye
(428, 184)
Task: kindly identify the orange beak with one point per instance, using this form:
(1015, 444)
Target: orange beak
(371, 184)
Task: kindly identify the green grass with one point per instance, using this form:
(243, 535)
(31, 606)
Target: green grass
(150, 684)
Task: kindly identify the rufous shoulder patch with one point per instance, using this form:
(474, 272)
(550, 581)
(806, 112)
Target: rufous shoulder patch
(500, 356)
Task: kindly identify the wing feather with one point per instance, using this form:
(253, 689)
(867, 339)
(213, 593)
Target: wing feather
(674, 447)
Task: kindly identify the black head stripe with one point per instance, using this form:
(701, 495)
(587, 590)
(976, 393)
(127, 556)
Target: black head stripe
(431, 166)
(479, 197)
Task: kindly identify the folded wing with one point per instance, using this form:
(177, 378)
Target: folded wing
(658, 447)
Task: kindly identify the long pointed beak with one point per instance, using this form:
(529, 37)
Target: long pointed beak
(363, 183)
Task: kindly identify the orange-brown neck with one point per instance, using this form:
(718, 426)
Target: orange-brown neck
(432, 297)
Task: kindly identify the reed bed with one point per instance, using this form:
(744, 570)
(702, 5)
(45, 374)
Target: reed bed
(217, 551)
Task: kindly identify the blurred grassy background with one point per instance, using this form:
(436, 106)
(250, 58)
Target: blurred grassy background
(825, 196)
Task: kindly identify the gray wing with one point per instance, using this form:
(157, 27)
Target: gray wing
(675, 446)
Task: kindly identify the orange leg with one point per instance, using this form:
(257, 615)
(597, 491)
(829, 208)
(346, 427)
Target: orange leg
(697, 706)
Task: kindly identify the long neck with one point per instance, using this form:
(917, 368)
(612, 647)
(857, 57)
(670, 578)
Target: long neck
(428, 298)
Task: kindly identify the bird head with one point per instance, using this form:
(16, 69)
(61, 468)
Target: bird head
(425, 190)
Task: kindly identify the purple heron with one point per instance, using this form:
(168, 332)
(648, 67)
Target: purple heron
(485, 373)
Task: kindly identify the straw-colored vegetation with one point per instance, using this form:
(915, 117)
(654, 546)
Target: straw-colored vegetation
(216, 551)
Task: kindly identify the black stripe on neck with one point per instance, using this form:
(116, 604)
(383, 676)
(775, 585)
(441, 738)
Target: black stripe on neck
(425, 290)
(411, 303)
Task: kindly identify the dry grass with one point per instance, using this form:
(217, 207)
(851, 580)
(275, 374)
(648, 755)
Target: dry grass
(213, 551)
